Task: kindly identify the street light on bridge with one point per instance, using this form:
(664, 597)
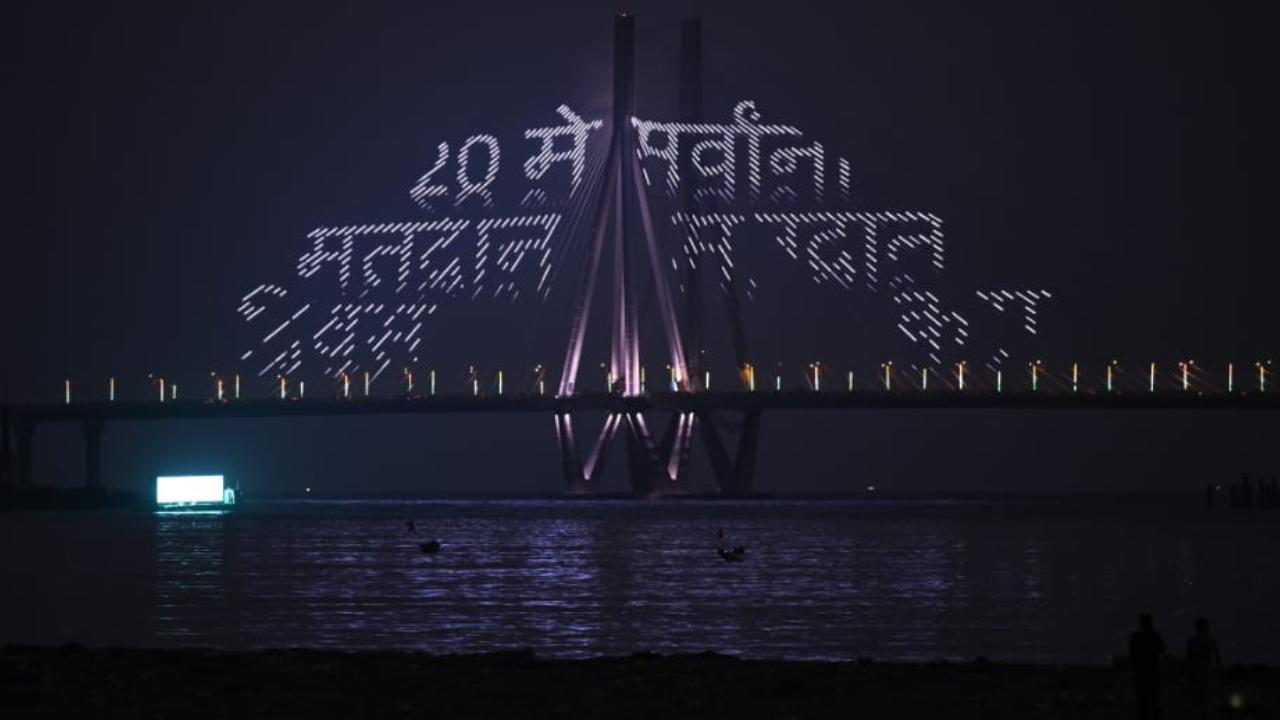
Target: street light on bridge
(888, 375)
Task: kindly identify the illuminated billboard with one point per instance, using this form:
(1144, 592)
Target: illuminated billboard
(190, 490)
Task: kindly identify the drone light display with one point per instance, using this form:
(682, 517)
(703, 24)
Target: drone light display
(363, 294)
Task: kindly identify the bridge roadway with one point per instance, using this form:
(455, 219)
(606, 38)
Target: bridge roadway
(20, 421)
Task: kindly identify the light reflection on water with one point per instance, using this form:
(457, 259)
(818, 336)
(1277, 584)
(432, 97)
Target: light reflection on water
(905, 580)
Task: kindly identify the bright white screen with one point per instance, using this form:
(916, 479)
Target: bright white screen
(188, 489)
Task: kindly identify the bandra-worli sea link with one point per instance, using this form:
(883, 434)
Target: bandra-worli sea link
(721, 179)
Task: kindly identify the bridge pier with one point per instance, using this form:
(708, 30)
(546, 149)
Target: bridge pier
(734, 475)
(6, 449)
(25, 430)
(93, 428)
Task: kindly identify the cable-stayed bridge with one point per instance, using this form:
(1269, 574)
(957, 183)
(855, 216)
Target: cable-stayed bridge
(721, 180)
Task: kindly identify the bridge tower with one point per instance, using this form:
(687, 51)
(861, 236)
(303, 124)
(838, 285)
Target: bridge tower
(654, 465)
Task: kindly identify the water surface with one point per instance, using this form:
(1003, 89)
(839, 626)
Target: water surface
(1048, 581)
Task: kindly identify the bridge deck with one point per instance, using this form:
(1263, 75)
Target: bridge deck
(668, 402)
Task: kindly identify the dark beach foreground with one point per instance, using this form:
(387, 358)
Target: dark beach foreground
(198, 683)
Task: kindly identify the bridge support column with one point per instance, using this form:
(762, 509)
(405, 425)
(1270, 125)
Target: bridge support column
(25, 430)
(93, 428)
(735, 475)
(6, 448)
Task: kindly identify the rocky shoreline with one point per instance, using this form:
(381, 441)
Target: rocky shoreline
(203, 683)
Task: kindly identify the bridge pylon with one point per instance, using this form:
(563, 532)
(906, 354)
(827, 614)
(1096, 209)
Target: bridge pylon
(655, 463)
(652, 464)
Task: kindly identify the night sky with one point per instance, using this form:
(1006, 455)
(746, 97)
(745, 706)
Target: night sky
(165, 159)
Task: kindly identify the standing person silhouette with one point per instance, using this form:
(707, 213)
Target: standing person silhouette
(1146, 648)
(1202, 662)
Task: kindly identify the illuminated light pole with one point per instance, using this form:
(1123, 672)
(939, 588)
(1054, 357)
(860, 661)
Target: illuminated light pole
(173, 391)
(284, 387)
(751, 377)
(888, 375)
(111, 389)
(850, 381)
(302, 389)
(366, 383)
(1110, 381)
(66, 392)
(541, 378)
(1231, 377)
(237, 386)
(671, 378)
(817, 380)
(433, 382)
(346, 386)
(924, 378)
(408, 381)
(642, 381)
(499, 382)
(1151, 378)
(161, 389)
(1075, 377)
(999, 381)
(777, 378)
(1262, 377)
(1184, 365)
(219, 390)
(960, 374)
(706, 381)
(1035, 378)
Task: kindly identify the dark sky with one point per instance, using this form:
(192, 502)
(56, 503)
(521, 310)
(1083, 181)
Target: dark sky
(165, 159)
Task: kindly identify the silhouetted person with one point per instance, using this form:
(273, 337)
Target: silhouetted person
(410, 528)
(1146, 648)
(1202, 661)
